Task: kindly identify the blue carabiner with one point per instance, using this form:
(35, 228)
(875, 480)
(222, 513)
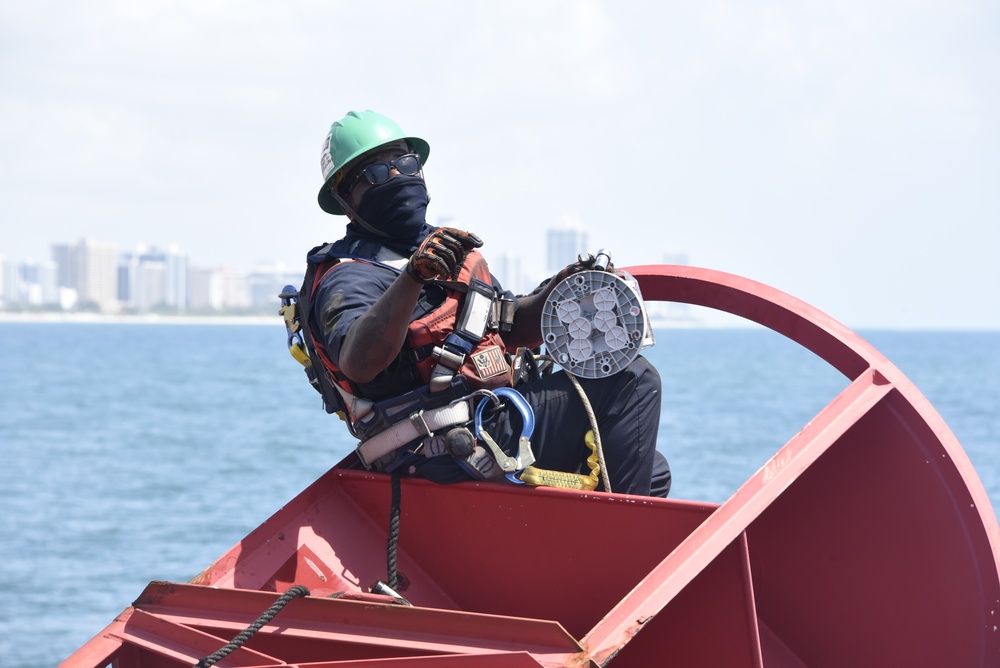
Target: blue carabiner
(518, 401)
(525, 457)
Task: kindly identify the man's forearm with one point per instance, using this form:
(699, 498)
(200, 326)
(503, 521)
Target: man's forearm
(526, 330)
(376, 338)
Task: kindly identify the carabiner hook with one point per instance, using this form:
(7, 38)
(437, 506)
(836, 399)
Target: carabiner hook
(525, 457)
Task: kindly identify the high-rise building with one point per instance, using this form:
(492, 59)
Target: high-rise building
(149, 292)
(175, 278)
(198, 288)
(218, 289)
(68, 267)
(508, 270)
(90, 269)
(98, 274)
(676, 257)
(666, 313)
(40, 282)
(10, 283)
(155, 279)
(227, 289)
(563, 245)
(266, 282)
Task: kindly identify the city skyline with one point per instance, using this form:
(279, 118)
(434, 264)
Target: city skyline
(844, 153)
(100, 276)
(103, 276)
(139, 247)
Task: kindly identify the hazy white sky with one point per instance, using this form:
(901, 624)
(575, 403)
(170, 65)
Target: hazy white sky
(845, 152)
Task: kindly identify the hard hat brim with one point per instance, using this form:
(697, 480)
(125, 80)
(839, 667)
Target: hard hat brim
(329, 203)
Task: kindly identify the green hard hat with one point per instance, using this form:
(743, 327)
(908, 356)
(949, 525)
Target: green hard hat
(352, 136)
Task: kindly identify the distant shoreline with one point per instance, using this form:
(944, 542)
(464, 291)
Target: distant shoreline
(276, 320)
(143, 319)
(159, 319)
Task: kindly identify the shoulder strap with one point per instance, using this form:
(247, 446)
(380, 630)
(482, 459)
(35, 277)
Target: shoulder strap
(316, 266)
(339, 392)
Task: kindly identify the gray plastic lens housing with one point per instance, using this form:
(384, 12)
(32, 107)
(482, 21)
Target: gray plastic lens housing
(594, 323)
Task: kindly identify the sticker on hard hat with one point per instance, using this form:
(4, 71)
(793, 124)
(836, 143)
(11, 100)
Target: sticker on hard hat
(594, 323)
(325, 160)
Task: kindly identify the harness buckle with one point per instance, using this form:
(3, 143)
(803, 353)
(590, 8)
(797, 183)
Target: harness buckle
(449, 362)
(448, 358)
(418, 421)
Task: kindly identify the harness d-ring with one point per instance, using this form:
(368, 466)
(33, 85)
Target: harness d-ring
(525, 457)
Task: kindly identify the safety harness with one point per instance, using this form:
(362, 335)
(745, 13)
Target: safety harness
(462, 359)
(458, 353)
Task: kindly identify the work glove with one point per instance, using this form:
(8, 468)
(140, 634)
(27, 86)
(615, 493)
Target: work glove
(583, 263)
(441, 254)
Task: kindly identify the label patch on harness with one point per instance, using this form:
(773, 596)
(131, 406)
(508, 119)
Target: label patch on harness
(489, 362)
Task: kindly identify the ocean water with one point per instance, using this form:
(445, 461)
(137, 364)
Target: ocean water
(131, 453)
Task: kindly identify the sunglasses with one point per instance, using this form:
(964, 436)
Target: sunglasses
(378, 172)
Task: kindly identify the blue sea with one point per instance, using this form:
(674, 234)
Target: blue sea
(139, 452)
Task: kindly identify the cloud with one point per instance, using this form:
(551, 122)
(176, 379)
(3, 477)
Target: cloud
(729, 130)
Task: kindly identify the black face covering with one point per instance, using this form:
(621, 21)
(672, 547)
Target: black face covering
(396, 208)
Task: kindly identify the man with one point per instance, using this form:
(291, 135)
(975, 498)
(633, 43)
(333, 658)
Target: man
(374, 314)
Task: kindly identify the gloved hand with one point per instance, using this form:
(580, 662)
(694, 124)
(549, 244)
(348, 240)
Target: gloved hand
(441, 254)
(584, 264)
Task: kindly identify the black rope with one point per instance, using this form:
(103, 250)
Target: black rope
(248, 632)
(392, 543)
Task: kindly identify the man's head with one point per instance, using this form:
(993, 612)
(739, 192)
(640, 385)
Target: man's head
(374, 168)
(360, 140)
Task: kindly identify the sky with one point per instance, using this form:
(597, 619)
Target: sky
(847, 153)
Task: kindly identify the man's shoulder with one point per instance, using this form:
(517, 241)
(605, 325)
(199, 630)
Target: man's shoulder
(351, 276)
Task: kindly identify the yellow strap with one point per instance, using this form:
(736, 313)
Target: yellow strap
(544, 478)
(299, 353)
(295, 347)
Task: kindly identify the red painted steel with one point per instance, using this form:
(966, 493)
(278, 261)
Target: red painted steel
(867, 540)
